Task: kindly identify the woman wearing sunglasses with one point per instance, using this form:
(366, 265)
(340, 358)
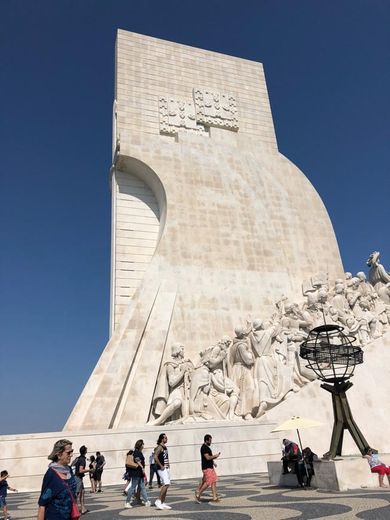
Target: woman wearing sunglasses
(58, 495)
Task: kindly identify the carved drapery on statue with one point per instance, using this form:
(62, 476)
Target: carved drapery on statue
(241, 379)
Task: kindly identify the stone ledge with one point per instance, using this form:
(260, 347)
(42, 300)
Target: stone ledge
(345, 473)
(334, 475)
(277, 478)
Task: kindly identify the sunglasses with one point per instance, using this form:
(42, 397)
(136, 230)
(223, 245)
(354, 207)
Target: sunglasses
(69, 452)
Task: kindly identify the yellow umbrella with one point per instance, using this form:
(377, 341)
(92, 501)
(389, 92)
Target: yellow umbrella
(296, 423)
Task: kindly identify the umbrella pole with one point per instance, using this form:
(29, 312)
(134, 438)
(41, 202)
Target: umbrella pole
(300, 442)
(303, 458)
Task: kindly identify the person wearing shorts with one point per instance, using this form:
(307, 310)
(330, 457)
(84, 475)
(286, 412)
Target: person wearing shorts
(162, 461)
(100, 463)
(377, 466)
(209, 478)
(80, 470)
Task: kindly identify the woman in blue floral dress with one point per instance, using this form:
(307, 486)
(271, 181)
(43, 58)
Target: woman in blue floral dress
(59, 486)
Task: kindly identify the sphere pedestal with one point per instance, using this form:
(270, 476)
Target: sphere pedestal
(333, 357)
(343, 420)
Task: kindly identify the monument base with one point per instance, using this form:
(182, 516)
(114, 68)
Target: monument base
(245, 447)
(333, 475)
(277, 478)
(346, 473)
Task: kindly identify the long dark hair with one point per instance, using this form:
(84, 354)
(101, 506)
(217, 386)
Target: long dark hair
(160, 438)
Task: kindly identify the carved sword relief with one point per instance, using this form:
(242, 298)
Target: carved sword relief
(216, 109)
(208, 108)
(177, 114)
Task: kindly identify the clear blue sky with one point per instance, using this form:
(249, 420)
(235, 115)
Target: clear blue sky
(327, 70)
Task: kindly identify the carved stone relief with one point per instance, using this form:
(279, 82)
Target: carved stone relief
(216, 109)
(206, 109)
(176, 114)
(241, 379)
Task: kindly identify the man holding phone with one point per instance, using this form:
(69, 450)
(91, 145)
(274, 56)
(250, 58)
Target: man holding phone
(209, 478)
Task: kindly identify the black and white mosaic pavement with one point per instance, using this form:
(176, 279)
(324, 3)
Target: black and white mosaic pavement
(244, 497)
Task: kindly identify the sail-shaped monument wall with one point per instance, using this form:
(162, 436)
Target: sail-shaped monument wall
(210, 222)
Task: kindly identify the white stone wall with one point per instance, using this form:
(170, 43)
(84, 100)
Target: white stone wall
(239, 225)
(137, 219)
(240, 215)
(148, 68)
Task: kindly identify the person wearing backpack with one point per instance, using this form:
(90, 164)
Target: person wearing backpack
(153, 470)
(80, 465)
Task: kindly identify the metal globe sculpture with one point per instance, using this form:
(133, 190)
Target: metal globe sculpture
(332, 356)
(331, 353)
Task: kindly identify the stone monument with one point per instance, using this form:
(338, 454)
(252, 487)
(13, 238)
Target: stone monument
(210, 223)
(223, 259)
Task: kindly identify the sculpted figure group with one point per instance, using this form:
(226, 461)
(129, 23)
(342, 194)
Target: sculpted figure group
(243, 377)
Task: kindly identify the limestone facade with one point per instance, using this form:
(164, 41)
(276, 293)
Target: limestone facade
(210, 222)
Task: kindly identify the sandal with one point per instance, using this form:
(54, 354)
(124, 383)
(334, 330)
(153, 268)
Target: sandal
(197, 497)
(216, 499)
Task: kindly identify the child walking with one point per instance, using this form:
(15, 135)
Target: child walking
(4, 487)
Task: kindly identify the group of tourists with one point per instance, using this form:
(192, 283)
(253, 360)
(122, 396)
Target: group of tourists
(63, 494)
(136, 478)
(94, 470)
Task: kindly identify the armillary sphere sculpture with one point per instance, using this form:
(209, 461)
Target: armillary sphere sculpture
(333, 357)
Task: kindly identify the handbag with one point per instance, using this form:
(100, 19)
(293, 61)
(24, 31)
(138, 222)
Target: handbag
(130, 463)
(74, 510)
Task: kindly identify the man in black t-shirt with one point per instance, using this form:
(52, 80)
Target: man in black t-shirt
(209, 475)
(81, 469)
(100, 463)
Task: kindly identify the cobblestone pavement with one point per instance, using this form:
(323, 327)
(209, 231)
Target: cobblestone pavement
(243, 497)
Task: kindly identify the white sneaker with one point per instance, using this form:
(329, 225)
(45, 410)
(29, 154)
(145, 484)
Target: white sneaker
(165, 506)
(128, 505)
(158, 504)
(147, 503)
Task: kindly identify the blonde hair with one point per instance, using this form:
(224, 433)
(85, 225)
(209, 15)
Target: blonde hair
(58, 449)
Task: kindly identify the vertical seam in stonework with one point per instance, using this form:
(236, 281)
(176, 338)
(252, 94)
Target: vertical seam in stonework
(110, 426)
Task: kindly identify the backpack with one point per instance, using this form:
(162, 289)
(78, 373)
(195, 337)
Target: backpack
(74, 465)
(151, 458)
